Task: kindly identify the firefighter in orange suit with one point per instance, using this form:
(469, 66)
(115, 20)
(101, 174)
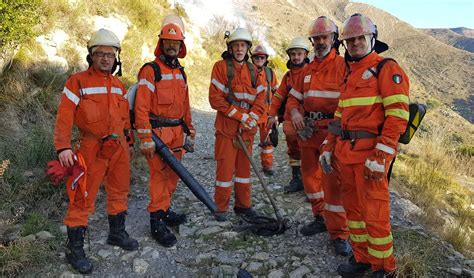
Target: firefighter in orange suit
(94, 101)
(237, 92)
(320, 91)
(162, 107)
(372, 114)
(260, 60)
(297, 51)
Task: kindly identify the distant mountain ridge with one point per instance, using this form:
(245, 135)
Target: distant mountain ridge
(460, 37)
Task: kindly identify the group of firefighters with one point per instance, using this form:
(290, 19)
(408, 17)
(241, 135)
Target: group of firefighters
(341, 120)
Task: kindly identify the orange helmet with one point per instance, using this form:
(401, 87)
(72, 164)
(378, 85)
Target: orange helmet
(259, 50)
(322, 25)
(172, 28)
(358, 25)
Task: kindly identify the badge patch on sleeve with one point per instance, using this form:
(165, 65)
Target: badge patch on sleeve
(397, 78)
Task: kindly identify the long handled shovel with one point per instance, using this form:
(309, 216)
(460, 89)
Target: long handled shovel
(267, 226)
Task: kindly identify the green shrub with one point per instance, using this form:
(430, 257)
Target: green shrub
(18, 19)
(466, 150)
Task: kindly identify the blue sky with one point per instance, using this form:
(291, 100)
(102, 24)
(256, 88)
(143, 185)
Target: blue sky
(429, 13)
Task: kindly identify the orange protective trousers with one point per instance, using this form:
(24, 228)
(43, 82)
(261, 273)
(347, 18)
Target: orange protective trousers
(163, 180)
(292, 143)
(266, 152)
(114, 172)
(324, 193)
(368, 212)
(233, 170)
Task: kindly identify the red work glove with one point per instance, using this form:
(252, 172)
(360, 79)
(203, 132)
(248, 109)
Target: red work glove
(147, 147)
(56, 172)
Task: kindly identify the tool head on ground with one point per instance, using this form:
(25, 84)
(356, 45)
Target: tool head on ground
(260, 224)
(263, 225)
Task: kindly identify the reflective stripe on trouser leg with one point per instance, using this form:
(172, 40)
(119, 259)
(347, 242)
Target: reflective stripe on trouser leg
(242, 187)
(334, 213)
(266, 156)
(353, 199)
(311, 174)
(266, 152)
(377, 218)
(226, 155)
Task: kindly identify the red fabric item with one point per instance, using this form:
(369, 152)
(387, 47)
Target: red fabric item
(56, 172)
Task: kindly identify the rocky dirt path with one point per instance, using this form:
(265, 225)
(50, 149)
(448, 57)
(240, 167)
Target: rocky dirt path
(207, 248)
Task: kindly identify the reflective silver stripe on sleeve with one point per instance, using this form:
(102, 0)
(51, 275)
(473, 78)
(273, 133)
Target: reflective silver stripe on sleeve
(385, 148)
(224, 183)
(179, 76)
(267, 151)
(260, 89)
(142, 130)
(245, 116)
(147, 83)
(220, 86)
(242, 180)
(71, 96)
(232, 112)
(296, 94)
(253, 115)
(323, 94)
(94, 90)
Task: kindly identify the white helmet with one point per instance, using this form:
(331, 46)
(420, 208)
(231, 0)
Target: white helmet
(239, 34)
(298, 42)
(103, 37)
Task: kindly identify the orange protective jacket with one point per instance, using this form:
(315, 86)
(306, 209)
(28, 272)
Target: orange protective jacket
(291, 77)
(168, 97)
(244, 93)
(378, 105)
(95, 103)
(320, 92)
(270, 90)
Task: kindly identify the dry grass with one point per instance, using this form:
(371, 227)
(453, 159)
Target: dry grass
(431, 168)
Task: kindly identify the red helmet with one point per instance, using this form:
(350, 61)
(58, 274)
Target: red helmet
(172, 28)
(358, 25)
(322, 25)
(259, 50)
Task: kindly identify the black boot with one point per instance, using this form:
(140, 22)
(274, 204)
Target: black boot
(118, 236)
(382, 274)
(247, 212)
(75, 250)
(174, 219)
(352, 268)
(342, 247)
(296, 183)
(159, 231)
(315, 227)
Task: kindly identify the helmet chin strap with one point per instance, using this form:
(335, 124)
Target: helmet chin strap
(370, 48)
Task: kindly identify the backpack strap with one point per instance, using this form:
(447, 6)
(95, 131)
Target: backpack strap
(380, 66)
(269, 78)
(253, 76)
(185, 77)
(230, 77)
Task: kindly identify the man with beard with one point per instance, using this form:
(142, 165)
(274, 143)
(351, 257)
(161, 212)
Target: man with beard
(371, 115)
(297, 52)
(93, 100)
(320, 92)
(162, 107)
(237, 93)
